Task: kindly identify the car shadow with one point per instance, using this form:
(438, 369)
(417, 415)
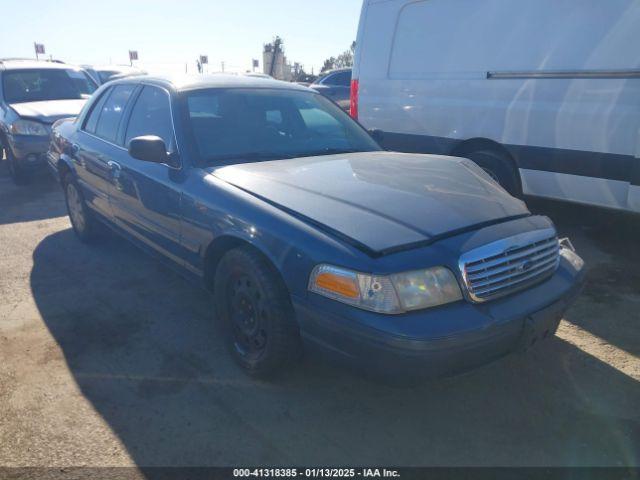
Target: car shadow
(608, 241)
(142, 345)
(40, 199)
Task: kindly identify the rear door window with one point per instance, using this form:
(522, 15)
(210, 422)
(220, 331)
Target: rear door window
(111, 112)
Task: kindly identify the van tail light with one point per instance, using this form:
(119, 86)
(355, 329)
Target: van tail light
(353, 104)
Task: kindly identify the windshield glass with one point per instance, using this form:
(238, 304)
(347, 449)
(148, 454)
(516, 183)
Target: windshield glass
(47, 84)
(265, 124)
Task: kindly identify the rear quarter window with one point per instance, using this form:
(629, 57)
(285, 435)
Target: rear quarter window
(92, 118)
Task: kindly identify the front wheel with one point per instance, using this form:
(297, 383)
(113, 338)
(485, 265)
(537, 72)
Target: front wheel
(17, 173)
(82, 220)
(254, 307)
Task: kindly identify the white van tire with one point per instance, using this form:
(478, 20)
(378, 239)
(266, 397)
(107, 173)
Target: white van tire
(500, 167)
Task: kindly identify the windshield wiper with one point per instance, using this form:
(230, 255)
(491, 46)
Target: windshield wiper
(263, 156)
(327, 151)
(250, 156)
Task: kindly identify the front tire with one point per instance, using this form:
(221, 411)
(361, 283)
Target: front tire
(255, 310)
(17, 173)
(82, 219)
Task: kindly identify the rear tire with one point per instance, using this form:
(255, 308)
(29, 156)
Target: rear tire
(254, 308)
(82, 219)
(499, 167)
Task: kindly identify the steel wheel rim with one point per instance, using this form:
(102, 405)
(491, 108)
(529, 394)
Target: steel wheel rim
(248, 314)
(74, 203)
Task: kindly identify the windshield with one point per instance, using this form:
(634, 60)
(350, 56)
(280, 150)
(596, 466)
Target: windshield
(47, 84)
(265, 124)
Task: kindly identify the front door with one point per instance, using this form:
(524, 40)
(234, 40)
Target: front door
(146, 202)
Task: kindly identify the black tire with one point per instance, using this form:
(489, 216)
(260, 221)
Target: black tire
(18, 174)
(499, 167)
(83, 221)
(254, 308)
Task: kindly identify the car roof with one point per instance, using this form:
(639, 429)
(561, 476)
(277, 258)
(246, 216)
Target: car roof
(114, 68)
(335, 70)
(19, 64)
(196, 82)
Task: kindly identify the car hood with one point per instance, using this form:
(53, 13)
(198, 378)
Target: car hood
(380, 200)
(50, 110)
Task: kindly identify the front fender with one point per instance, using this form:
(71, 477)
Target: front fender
(60, 163)
(214, 210)
(58, 157)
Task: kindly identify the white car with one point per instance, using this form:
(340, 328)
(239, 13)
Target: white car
(543, 94)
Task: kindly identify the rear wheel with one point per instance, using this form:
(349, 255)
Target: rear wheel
(253, 305)
(82, 219)
(499, 167)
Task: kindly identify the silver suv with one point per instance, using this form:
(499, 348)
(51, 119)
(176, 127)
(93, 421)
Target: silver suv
(33, 95)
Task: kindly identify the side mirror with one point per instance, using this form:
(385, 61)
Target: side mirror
(149, 148)
(377, 135)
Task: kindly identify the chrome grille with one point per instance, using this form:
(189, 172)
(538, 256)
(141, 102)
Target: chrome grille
(510, 264)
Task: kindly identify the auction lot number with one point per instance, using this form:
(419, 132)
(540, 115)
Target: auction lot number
(314, 472)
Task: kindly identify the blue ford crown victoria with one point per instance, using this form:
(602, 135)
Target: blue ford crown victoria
(308, 233)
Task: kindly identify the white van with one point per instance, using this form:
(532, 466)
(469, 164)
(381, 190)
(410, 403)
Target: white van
(543, 94)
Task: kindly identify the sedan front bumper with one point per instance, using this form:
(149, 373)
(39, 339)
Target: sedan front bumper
(515, 322)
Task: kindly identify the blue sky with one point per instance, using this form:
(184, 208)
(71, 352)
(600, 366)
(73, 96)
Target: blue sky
(167, 34)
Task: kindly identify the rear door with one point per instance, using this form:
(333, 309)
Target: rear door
(146, 202)
(96, 148)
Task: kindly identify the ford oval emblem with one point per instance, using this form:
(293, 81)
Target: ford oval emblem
(524, 266)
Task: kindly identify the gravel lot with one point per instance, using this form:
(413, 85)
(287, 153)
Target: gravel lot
(108, 357)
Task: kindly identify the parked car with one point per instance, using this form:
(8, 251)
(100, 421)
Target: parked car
(32, 96)
(541, 94)
(308, 234)
(306, 79)
(105, 73)
(336, 85)
(257, 75)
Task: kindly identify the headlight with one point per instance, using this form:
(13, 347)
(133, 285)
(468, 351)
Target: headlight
(26, 127)
(426, 288)
(396, 293)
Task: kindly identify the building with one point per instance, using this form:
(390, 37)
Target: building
(274, 61)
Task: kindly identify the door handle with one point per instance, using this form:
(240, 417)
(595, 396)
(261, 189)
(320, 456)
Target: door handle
(75, 154)
(114, 166)
(116, 169)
